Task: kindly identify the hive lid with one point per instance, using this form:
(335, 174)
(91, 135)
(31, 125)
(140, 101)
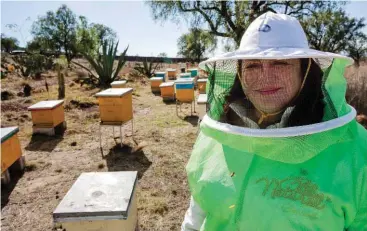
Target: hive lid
(114, 92)
(98, 195)
(156, 78)
(118, 82)
(43, 105)
(159, 72)
(202, 99)
(192, 69)
(8, 132)
(202, 80)
(170, 69)
(185, 74)
(167, 84)
(184, 80)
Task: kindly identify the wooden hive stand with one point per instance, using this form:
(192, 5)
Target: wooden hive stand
(115, 107)
(48, 117)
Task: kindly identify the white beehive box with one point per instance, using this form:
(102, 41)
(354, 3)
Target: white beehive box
(119, 84)
(99, 201)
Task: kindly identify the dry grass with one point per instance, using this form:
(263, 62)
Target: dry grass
(159, 151)
(357, 87)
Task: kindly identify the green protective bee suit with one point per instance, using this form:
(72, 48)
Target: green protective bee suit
(311, 177)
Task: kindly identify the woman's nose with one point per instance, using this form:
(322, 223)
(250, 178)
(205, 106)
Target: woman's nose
(267, 72)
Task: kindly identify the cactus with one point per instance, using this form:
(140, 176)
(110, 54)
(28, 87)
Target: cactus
(61, 64)
(103, 64)
(147, 68)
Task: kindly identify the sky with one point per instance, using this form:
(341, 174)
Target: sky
(132, 20)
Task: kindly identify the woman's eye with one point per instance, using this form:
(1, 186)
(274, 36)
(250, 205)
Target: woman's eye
(281, 64)
(252, 66)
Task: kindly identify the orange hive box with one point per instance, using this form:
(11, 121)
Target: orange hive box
(171, 73)
(115, 105)
(10, 151)
(155, 82)
(202, 85)
(47, 114)
(119, 84)
(167, 90)
(185, 90)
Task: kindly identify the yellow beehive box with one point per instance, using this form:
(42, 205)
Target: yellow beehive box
(155, 82)
(202, 85)
(10, 147)
(119, 84)
(167, 90)
(47, 114)
(99, 201)
(185, 90)
(171, 73)
(115, 105)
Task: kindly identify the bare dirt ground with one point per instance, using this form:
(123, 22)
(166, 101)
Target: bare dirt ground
(159, 151)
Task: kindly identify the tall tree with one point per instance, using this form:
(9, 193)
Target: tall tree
(195, 44)
(230, 19)
(90, 37)
(8, 44)
(332, 30)
(59, 28)
(358, 48)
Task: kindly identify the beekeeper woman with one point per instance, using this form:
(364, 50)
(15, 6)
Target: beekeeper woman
(279, 148)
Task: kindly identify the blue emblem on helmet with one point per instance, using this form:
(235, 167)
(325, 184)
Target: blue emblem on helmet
(265, 28)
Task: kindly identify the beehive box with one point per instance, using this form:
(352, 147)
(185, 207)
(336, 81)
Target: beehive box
(193, 72)
(99, 201)
(167, 90)
(185, 75)
(119, 84)
(184, 90)
(171, 73)
(161, 74)
(202, 85)
(202, 105)
(10, 147)
(155, 82)
(115, 105)
(47, 114)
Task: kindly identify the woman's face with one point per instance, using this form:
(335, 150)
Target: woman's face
(271, 84)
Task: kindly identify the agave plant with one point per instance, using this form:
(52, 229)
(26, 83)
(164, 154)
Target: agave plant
(147, 68)
(103, 64)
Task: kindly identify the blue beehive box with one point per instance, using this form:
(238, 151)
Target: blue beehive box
(160, 74)
(186, 83)
(194, 72)
(185, 75)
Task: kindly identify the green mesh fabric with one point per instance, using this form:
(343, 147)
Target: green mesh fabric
(218, 86)
(223, 73)
(300, 182)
